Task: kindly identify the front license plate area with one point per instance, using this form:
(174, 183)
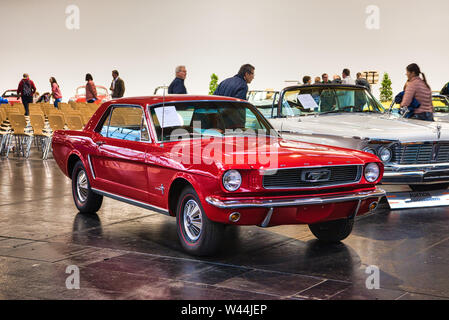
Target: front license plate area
(423, 199)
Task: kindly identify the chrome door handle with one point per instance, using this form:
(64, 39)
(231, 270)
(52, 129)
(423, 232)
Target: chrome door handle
(100, 143)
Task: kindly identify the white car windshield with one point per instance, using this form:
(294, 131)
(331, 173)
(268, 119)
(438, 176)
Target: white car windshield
(328, 99)
(264, 101)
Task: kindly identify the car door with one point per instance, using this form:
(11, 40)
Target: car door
(119, 162)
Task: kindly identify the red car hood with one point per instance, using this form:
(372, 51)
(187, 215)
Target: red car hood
(254, 153)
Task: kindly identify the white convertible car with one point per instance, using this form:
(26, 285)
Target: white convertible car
(415, 153)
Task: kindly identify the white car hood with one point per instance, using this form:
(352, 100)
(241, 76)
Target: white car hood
(364, 126)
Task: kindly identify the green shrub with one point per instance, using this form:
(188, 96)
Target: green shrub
(386, 92)
(213, 83)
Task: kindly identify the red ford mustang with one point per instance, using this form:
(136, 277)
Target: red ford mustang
(102, 94)
(212, 161)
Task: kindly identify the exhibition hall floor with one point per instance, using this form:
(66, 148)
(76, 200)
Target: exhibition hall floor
(126, 252)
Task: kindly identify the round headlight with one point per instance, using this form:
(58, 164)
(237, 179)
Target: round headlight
(385, 154)
(372, 172)
(369, 150)
(232, 180)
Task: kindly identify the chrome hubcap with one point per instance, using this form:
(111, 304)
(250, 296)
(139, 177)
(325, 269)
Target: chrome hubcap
(193, 221)
(82, 186)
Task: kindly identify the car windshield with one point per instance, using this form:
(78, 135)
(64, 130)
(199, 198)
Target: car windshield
(264, 101)
(9, 93)
(207, 118)
(440, 104)
(323, 99)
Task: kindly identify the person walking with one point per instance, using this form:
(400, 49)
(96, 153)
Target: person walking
(55, 92)
(237, 86)
(317, 80)
(91, 90)
(346, 74)
(117, 86)
(177, 86)
(362, 81)
(26, 90)
(419, 89)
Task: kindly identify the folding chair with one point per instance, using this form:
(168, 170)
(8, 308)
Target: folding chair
(56, 121)
(23, 138)
(74, 122)
(43, 137)
(5, 132)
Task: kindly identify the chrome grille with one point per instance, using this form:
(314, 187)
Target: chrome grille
(421, 153)
(293, 178)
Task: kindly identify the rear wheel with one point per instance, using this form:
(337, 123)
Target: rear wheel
(332, 231)
(85, 199)
(197, 234)
(429, 187)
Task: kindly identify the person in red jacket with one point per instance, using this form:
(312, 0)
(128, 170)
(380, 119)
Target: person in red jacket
(91, 90)
(26, 91)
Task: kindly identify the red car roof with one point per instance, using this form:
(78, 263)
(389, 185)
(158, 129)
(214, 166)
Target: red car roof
(171, 98)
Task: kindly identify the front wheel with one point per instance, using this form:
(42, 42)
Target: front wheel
(332, 231)
(429, 187)
(197, 234)
(85, 199)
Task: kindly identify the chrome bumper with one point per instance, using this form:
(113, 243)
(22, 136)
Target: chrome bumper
(416, 174)
(239, 204)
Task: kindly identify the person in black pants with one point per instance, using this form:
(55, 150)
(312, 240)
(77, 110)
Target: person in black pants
(26, 91)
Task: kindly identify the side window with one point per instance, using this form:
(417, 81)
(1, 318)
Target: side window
(126, 123)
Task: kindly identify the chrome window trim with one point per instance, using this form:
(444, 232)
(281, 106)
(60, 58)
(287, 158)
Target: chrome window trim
(191, 101)
(90, 166)
(123, 105)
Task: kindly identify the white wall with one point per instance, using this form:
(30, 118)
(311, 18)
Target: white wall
(283, 39)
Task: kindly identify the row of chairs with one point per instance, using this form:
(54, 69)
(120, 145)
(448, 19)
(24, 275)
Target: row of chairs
(18, 131)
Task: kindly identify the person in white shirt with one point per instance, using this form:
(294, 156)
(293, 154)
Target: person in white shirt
(346, 74)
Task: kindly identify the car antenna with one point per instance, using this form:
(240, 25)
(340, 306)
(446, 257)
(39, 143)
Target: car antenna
(163, 116)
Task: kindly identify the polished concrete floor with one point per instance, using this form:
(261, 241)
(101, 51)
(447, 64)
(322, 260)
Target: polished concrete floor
(126, 252)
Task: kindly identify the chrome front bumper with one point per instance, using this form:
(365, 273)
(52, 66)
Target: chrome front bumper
(267, 203)
(416, 174)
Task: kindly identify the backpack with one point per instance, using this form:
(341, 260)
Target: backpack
(26, 89)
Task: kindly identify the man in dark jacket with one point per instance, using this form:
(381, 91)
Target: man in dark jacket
(117, 86)
(177, 86)
(362, 81)
(237, 86)
(26, 91)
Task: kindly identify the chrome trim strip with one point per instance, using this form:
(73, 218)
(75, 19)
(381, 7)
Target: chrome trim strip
(267, 219)
(236, 204)
(131, 201)
(408, 166)
(90, 166)
(406, 176)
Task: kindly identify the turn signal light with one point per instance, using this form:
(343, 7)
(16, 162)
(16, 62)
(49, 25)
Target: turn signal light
(234, 217)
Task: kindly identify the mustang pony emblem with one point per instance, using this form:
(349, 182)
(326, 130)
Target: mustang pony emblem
(316, 175)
